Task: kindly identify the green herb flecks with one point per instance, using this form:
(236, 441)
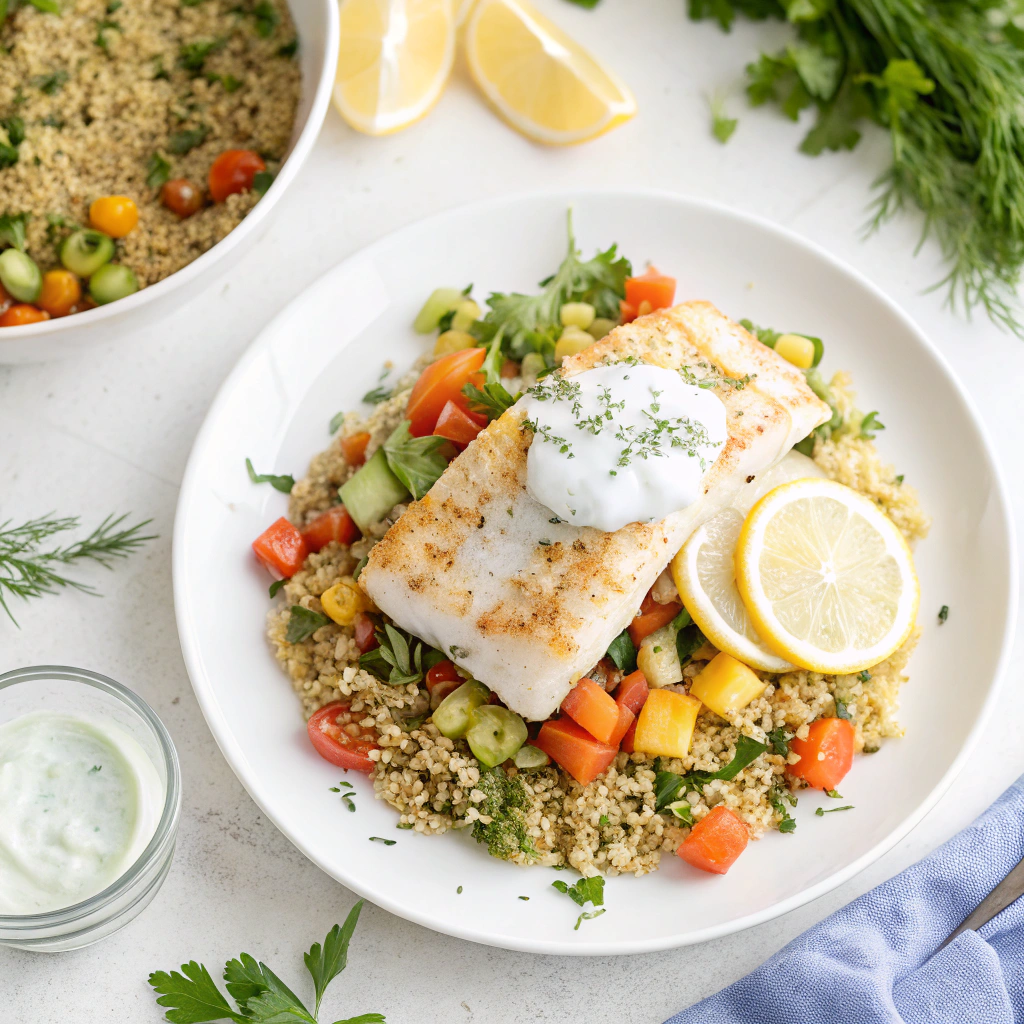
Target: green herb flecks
(261, 182)
(870, 425)
(668, 785)
(50, 84)
(288, 50)
(103, 28)
(582, 892)
(864, 676)
(778, 798)
(841, 710)
(416, 461)
(492, 401)
(401, 658)
(276, 586)
(722, 126)
(283, 483)
(778, 740)
(192, 56)
(12, 230)
(185, 141)
(12, 135)
(267, 19)
(347, 798)
(943, 614)
(260, 997)
(822, 811)
(303, 623)
(622, 652)
(386, 842)
(158, 171)
(379, 394)
(28, 571)
(504, 803)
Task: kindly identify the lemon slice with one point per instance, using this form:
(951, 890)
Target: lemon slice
(827, 579)
(394, 61)
(705, 578)
(541, 81)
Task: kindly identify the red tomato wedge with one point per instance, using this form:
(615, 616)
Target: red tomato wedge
(826, 755)
(458, 425)
(233, 171)
(353, 447)
(571, 746)
(281, 548)
(442, 679)
(632, 692)
(365, 630)
(650, 291)
(652, 616)
(627, 311)
(589, 706)
(627, 741)
(334, 524)
(438, 384)
(715, 841)
(338, 737)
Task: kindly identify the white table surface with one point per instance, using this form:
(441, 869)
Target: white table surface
(112, 431)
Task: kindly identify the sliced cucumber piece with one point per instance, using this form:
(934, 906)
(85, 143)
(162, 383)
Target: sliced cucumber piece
(372, 492)
(441, 301)
(20, 275)
(111, 282)
(529, 756)
(84, 251)
(495, 734)
(453, 713)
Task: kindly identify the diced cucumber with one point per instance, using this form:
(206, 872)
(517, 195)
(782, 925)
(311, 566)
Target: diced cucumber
(528, 756)
(441, 301)
(452, 715)
(372, 492)
(495, 734)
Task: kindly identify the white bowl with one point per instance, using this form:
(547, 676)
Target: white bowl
(312, 361)
(316, 24)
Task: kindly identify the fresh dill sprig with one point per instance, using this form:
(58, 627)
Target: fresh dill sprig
(28, 571)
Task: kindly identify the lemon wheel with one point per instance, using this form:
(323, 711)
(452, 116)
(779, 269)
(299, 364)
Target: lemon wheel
(827, 578)
(538, 78)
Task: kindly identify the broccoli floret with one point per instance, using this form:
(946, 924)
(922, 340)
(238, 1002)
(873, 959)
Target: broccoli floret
(503, 803)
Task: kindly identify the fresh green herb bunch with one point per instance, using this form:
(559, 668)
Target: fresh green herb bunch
(949, 87)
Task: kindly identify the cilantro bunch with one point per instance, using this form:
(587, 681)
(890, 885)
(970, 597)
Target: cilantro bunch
(947, 81)
(261, 997)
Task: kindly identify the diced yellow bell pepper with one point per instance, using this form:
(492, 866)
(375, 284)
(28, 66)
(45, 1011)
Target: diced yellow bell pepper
(665, 725)
(601, 326)
(577, 314)
(572, 340)
(453, 341)
(467, 313)
(726, 685)
(658, 658)
(796, 349)
(343, 601)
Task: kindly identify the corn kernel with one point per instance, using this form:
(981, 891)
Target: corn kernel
(342, 602)
(726, 685)
(577, 314)
(796, 349)
(466, 314)
(600, 327)
(664, 727)
(573, 340)
(453, 341)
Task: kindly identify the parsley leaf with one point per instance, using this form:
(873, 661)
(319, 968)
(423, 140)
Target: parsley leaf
(943, 614)
(401, 657)
(493, 400)
(185, 141)
(870, 425)
(192, 56)
(276, 586)
(12, 229)
(158, 171)
(193, 996)
(722, 127)
(12, 135)
(267, 19)
(779, 739)
(841, 710)
(261, 181)
(778, 798)
(667, 785)
(283, 483)
(326, 962)
(303, 623)
(583, 891)
(622, 652)
(50, 84)
(416, 461)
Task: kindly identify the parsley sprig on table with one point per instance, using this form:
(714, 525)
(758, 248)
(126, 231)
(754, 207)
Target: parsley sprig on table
(261, 997)
(28, 570)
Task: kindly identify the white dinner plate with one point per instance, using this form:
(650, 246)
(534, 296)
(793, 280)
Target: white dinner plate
(326, 349)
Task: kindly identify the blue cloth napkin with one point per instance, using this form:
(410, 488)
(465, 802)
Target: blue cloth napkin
(877, 960)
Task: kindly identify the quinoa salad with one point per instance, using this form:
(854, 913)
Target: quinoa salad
(134, 136)
(677, 740)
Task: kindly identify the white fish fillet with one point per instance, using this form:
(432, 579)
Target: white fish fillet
(465, 567)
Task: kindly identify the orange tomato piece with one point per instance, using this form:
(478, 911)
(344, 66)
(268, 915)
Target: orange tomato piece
(716, 841)
(440, 383)
(633, 691)
(826, 755)
(457, 425)
(650, 291)
(233, 171)
(572, 747)
(652, 616)
(21, 314)
(116, 216)
(281, 548)
(353, 447)
(61, 291)
(334, 524)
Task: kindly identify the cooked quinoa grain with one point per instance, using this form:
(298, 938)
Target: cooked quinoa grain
(104, 92)
(610, 826)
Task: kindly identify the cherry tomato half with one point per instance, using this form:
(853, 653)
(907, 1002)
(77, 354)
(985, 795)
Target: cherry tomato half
(180, 196)
(365, 632)
(338, 737)
(334, 524)
(233, 171)
(441, 382)
(442, 679)
(18, 316)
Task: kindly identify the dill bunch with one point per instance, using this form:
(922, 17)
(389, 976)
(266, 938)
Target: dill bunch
(946, 78)
(29, 568)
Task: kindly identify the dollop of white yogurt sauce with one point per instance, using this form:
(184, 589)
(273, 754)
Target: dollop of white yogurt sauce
(618, 444)
(79, 801)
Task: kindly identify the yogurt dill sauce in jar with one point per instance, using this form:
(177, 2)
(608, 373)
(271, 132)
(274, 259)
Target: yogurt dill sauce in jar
(623, 443)
(79, 802)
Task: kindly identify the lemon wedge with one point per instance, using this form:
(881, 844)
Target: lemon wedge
(394, 61)
(538, 78)
(827, 579)
(705, 578)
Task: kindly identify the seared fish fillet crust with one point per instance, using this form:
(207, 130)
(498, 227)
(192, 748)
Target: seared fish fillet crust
(478, 569)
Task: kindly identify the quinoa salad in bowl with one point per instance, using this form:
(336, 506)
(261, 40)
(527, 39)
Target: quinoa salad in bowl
(602, 577)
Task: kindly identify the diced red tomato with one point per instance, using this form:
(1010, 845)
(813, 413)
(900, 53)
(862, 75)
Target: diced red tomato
(627, 741)
(716, 841)
(623, 725)
(632, 692)
(234, 171)
(589, 706)
(826, 755)
(281, 548)
(652, 616)
(365, 630)
(571, 746)
(441, 382)
(646, 293)
(338, 737)
(353, 447)
(334, 524)
(458, 425)
(442, 679)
